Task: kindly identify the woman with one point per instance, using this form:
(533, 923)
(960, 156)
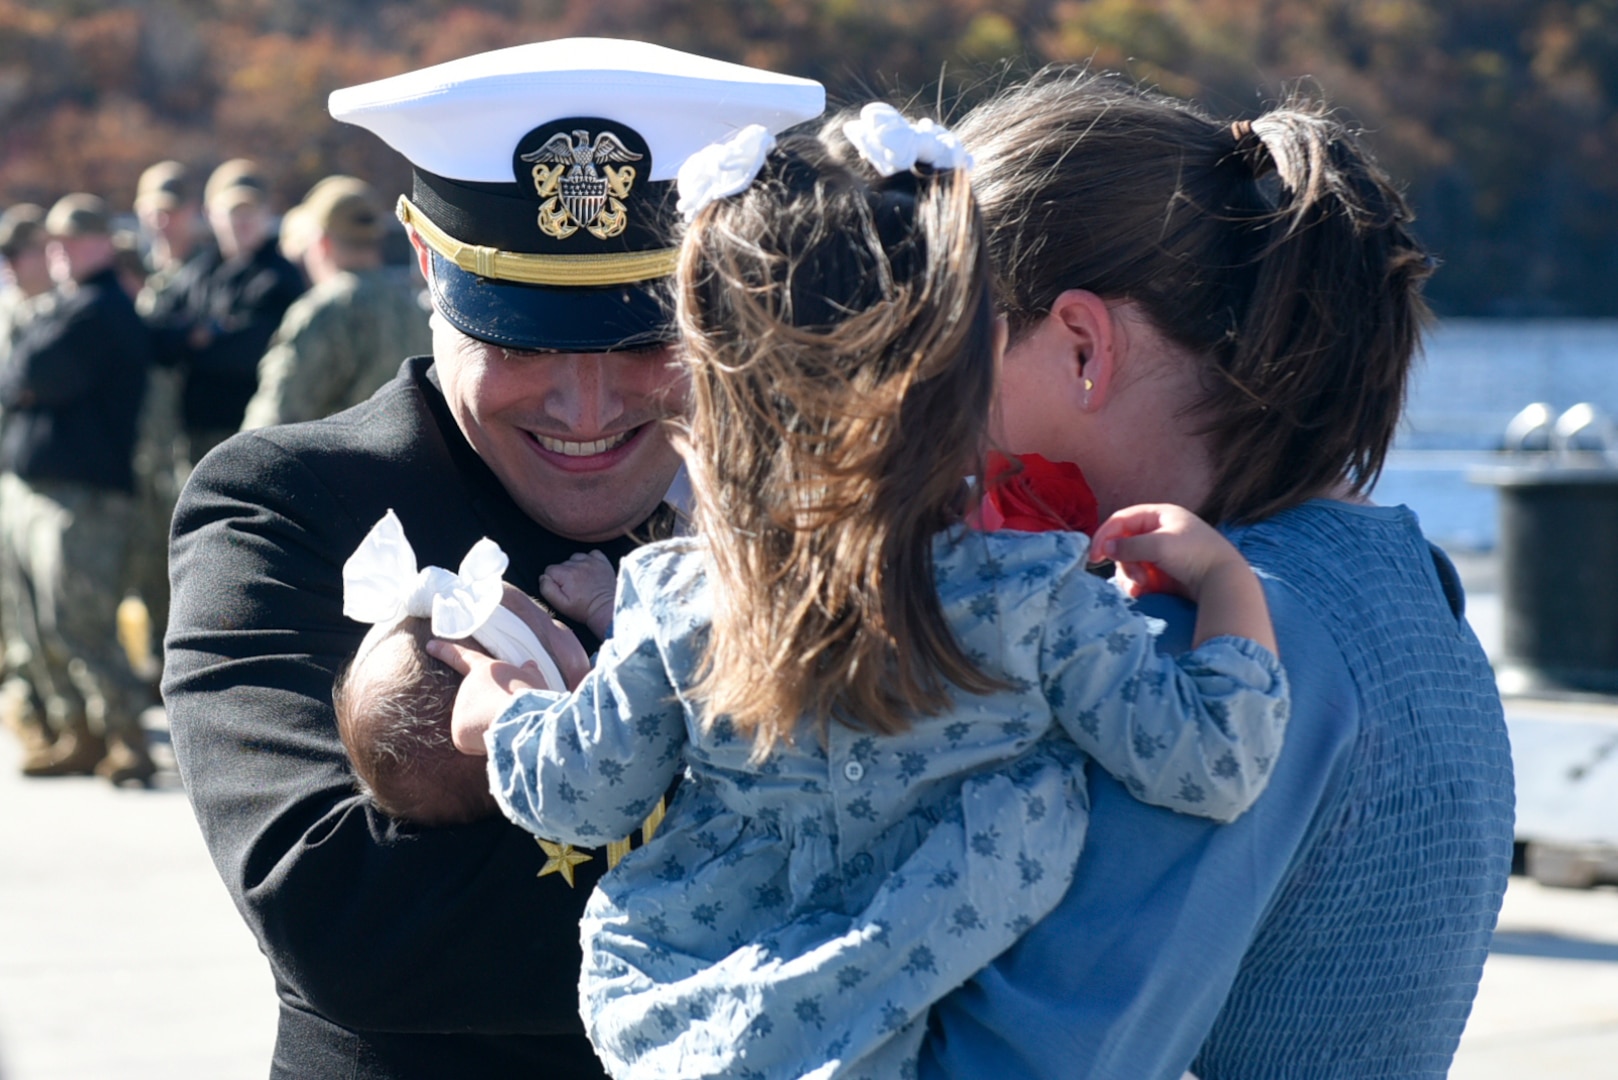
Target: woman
(1224, 316)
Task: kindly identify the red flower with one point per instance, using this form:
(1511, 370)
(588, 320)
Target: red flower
(1040, 496)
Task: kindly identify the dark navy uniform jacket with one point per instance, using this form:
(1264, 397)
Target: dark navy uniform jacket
(241, 302)
(72, 389)
(397, 952)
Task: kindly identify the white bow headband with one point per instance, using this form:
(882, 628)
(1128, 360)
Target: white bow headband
(882, 135)
(382, 586)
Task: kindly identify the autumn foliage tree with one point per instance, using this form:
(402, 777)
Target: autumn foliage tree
(1498, 114)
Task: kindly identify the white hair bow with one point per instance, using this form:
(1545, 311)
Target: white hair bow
(381, 586)
(722, 168)
(894, 144)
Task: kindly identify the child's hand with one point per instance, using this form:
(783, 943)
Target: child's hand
(1163, 548)
(487, 686)
(582, 588)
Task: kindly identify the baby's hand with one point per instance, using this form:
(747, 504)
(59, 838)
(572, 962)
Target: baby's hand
(582, 588)
(1162, 548)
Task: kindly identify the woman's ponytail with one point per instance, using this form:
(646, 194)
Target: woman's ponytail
(1315, 378)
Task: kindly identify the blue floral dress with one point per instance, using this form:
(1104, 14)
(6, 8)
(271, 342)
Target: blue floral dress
(796, 918)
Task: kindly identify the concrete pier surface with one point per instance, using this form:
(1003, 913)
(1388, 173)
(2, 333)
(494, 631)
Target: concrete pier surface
(122, 957)
(121, 954)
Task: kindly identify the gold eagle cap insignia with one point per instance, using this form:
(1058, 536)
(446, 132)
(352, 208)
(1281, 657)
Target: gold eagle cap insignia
(575, 192)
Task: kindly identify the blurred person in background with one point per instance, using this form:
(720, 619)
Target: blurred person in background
(24, 274)
(128, 263)
(25, 284)
(342, 340)
(166, 207)
(71, 388)
(296, 234)
(231, 311)
(179, 254)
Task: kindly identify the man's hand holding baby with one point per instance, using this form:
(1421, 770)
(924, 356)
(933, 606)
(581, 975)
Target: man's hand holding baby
(487, 687)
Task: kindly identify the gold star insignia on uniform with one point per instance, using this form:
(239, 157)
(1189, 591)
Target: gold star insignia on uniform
(561, 859)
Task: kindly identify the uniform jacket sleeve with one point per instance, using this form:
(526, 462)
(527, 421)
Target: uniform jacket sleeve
(373, 925)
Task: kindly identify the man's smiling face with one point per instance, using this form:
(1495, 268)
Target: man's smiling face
(577, 439)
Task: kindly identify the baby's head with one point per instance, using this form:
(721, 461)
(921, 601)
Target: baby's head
(393, 705)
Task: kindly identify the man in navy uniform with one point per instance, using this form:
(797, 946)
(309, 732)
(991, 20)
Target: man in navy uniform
(538, 422)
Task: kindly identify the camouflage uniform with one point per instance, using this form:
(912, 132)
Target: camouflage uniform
(337, 344)
(159, 462)
(67, 542)
(20, 704)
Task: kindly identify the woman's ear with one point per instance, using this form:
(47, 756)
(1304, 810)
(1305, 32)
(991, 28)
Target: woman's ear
(1091, 366)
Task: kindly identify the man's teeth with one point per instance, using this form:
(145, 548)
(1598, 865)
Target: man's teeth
(583, 449)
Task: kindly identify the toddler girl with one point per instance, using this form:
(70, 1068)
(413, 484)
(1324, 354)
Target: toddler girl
(882, 715)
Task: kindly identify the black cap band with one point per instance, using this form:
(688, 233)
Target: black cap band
(542, 318)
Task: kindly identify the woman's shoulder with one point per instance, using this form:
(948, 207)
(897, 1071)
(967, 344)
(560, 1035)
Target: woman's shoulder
(1327, 526)
(1326, 542)
(1384, 595)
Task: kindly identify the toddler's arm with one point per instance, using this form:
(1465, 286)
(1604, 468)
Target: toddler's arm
(582, 589)
(1196, 733)
(487, 684)
(584, 767)
(1163, 548)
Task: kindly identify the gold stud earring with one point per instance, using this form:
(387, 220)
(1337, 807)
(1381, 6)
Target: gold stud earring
(1089, 385)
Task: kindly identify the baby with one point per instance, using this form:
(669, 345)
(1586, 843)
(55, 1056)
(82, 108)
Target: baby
(393, 700)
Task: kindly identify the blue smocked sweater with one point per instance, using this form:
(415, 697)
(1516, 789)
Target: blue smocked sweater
(1340, 928)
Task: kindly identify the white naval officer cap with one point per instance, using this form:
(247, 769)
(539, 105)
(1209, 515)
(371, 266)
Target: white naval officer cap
(544, 178)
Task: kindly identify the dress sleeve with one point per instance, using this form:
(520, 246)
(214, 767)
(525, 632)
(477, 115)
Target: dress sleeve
(1197, 733)
(587, 767)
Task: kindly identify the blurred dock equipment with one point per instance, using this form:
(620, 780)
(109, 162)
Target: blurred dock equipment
(1558, 545)
(1566, 759)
